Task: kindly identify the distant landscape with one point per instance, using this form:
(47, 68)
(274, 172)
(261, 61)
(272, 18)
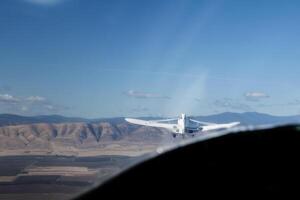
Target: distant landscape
(59, 157)
(253, 118)
(59, 135)
(56, 157)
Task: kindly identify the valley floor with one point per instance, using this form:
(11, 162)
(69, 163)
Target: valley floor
(56, 177)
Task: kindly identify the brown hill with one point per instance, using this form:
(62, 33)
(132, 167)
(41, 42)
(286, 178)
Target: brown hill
(84, 139)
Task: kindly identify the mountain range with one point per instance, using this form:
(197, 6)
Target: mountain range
(59, 135)
(247, 118)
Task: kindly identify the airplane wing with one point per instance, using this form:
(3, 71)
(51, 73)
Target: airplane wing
(219, 126)
(152, 123)
(164, 120)
(200, 122)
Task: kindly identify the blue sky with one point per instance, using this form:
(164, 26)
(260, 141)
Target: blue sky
(149, 58)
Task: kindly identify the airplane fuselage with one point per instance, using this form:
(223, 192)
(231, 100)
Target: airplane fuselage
(184, 126)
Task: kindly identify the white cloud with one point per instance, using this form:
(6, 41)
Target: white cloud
(49, 107)
(6, 98)
(144, 95)
(256, 96)
(30, 105)
(24, 108)
(36, 99)
(56, 108)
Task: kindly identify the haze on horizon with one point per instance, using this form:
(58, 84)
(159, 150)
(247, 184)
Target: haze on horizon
(149, 58)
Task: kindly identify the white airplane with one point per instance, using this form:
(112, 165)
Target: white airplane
(184, 125)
